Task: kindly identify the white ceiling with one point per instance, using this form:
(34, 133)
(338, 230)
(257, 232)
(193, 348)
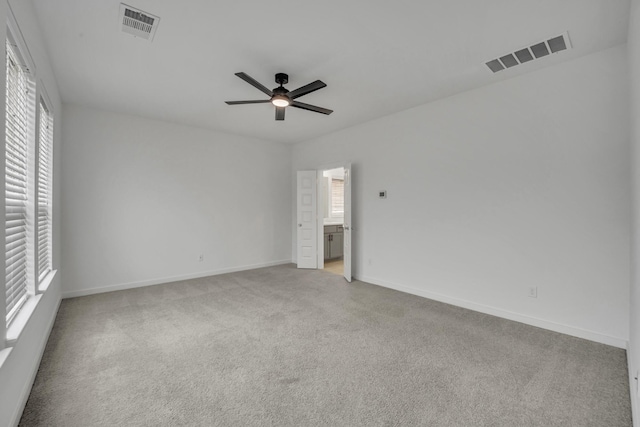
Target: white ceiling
(376, 56)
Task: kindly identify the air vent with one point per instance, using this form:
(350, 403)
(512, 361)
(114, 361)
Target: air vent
(535, 51)
(138, 23)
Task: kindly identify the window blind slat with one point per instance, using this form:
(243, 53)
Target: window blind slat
(16, 237)
(14, 303)
(14, 282)
(15, 258)
(13, 224)
(14, 298)
(9, 179)
(14, 170)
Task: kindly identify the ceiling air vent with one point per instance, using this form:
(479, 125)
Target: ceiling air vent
(138, 23)
(529, 53)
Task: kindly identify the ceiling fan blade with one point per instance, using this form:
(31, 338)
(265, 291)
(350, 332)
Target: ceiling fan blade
(311, 87)
(253, 82)
(257, 101)
(311, 107)
(280, 113)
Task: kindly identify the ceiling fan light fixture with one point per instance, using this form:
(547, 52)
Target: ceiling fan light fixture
(280, 101)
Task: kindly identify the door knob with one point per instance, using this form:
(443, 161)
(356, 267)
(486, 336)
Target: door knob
(299, 225)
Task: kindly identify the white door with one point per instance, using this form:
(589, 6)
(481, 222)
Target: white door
(307, 234)
(347, 222)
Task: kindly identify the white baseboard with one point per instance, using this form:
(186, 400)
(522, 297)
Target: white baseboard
(159, 281)
(544, 324)
(633, 389)
(26, 389)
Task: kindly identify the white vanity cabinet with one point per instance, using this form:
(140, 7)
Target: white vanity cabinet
(333, 241)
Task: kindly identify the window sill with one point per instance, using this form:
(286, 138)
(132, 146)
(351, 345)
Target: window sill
(44, 285)
(22, 318)
(20, 321)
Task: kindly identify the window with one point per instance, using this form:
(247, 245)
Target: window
(28, 171)
(16, 183)
(337, 197)
(45, 157)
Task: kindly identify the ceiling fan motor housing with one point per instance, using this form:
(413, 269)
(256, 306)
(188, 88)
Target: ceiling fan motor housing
(280, 91)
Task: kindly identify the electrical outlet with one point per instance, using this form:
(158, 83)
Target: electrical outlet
(200, 257)
(369, 261)
(533, 292)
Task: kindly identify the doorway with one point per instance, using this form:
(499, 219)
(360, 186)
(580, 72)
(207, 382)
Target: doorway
(324, 219)
(331, 207)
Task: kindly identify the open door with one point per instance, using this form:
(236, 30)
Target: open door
(307, 221)
(348, 228)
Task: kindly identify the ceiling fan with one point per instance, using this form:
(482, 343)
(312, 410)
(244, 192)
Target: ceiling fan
(281, 97)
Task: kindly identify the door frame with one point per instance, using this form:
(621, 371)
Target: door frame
(320, 218)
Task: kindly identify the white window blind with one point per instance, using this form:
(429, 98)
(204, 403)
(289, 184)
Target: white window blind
(45, 153)
(337, 197)
(16, 155)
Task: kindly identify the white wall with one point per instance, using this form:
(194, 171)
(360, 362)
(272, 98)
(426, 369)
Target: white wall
(19, 369)
(143, 198)
(518, 184)
(633, 354)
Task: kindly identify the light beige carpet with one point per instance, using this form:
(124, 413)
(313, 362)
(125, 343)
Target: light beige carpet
(285, 347)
